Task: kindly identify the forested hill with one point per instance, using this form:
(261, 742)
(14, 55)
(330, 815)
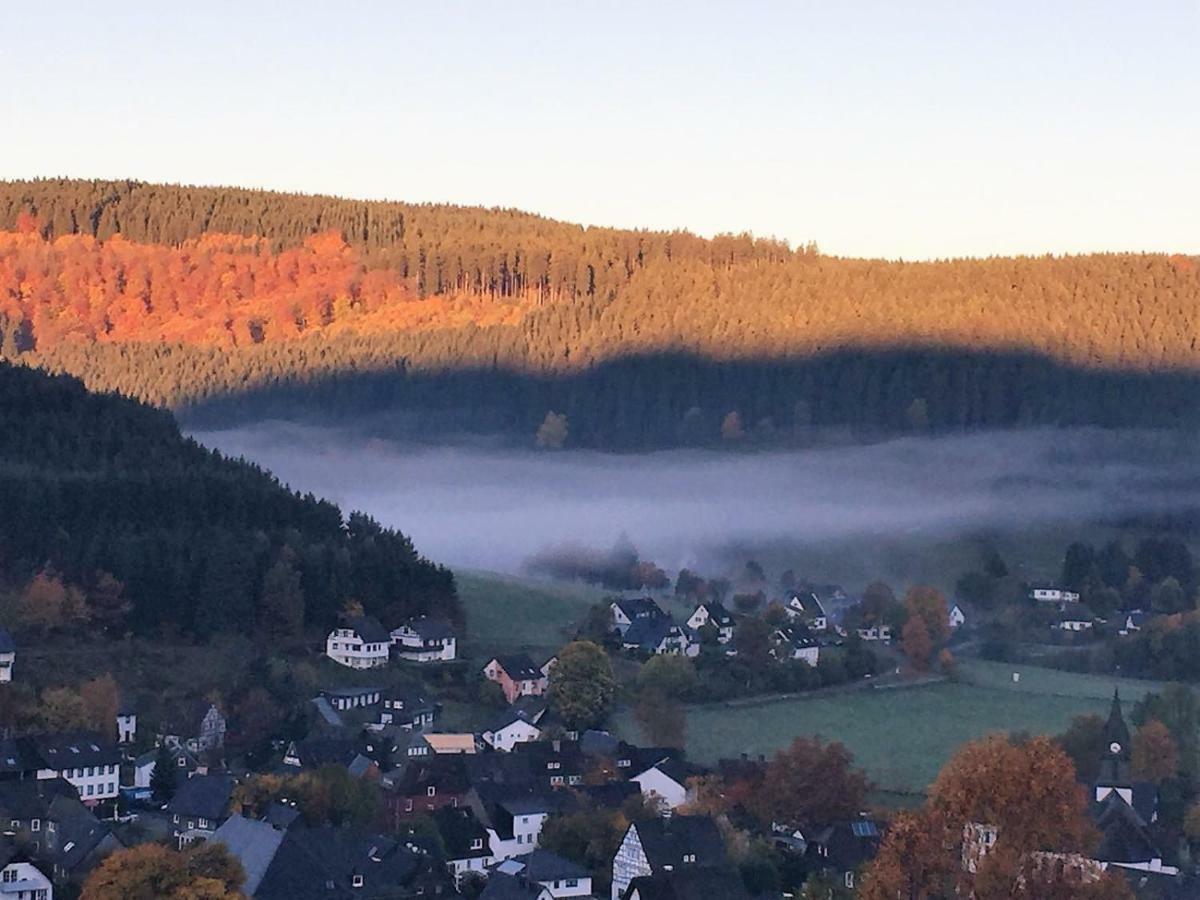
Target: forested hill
(97, 487)
(251, 302)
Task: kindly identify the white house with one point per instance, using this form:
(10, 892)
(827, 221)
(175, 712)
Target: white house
(126, 723)
(513, 726)
(660, 636)
(8, 655)
(664, 845)
(20, 879)
(957, 617)
(85, 760)
(715, 614)
(425, 640)
(1074, 617)
(875, 633)
(796, 642)
(664, 783)
(804, 605)
(362, 643)
(628, 610)
(1134, 622)
(556, 876)
(1048, 593)
(518, 826)
(344, 699)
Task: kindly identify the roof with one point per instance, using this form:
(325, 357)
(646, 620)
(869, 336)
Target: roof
(281, 816)
(369, 629)
(542, 865)
(78, 838)
(508, 717)
(317, 752)
(598, 743)
(639, 608)
(1125, 836)
(204, 796)
(796, 636)
(1074, 611)
(717, 613)
(687, 883)
(328, 714)
(7, 644)
(459, 829)
(18, 755)
(431, 629)
(519, 667)
(253, 843)
(447, 773)
(672, 766)
(74, 750)
(666, 841)
(351, 692)
(32, 799)
(501, 886)
(451, 743)
(649, 633)
(847, 844)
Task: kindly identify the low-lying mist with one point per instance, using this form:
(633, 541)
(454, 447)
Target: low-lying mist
(494, 508)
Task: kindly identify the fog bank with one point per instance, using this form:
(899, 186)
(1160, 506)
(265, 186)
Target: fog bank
(493, 508)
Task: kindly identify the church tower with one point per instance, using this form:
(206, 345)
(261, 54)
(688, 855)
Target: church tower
(1115, 774)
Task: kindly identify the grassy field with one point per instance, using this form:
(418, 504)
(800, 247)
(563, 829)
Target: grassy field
(903, 736)
(506, 614)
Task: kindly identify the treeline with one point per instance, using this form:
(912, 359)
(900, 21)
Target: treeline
(490, 319)
(109, 514)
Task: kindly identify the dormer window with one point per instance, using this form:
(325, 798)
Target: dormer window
(477, 844)
(357, 881)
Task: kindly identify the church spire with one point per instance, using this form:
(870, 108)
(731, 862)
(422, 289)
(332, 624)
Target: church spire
(1116, 732)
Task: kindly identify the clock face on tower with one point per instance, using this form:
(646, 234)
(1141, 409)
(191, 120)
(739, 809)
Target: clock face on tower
(1114, 748)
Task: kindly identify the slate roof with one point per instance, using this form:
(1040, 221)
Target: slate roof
(636, 608)
(322, 862)
(598, 743)
(1074, 611)
(253, 843)
(203, 796)
(848, 844)
(447, 773)
(1125, 836)
(75, 750)
(18, 756)
(519, 667)
(797, 636)
(7, 644)
(508, 717)
(718, 614)
(666, 841)
(502, 886)
(281, 816)
(315, 753)
(369, 629)
(431, 629)
(649, 633)
(542, 865)
(459, 829)
(689, 883)
(32, 799)
(78, 838)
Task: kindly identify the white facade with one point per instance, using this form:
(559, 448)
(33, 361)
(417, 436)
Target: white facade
(7, 660)
(1054, 595)
(702, 617)
(411, 646)
(515, 732)
(25, 881)
(1074, 625)
(569, 887)
(660, 787)
(629, 863)
(346, 646)
(875, 633)
(527, 828)
(957, 618)
(460, 867)
(127, 728)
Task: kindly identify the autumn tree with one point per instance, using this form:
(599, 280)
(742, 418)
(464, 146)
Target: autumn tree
(552, 433)
(809, 782)
(930, 604)
(101, 699)
(1155, 756)
(661, 718)
(582, 686)
(153, 872)
(108, 607)
(48, 604)
(63, 709)
(916, 643)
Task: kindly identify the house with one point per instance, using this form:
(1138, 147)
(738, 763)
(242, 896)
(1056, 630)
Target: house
(554, 764)
(628, 610)
(552, 874)
(1126, 839)
(518, 676)
(664, 783)
(513, 815)
(126, 722)
(20, 878)
(808, 604)
(199, 726)
(666, 845)
(513, 726)
(1134, 622)
(1049, 593)
(876, 632)
(688, 883)
(451, 743)
(795, 641)
(316, 753)
(1074, 617)
(85, 760)
(83, 843)
(344, 699)
(658, 637)
(465, 840)
(716, 615)
(843, 849)
(33, 812)
(503, 886)
(425, 640)
(407, 708)
(325, 863)
(199, 806)
(143, 766)
(958, 617)
(8, 655)
(362, 643)
(428, 784)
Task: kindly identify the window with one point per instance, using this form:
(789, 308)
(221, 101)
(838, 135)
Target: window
(408, 805)
(430, 791)
(556, 779)
(850, 879)
(35, 825)
(357, 881)
(477, 844)
(689, 857)
(572, 882)
(10, 875)
(181, 762)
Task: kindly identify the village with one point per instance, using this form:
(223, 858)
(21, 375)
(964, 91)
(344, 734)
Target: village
(378, 789)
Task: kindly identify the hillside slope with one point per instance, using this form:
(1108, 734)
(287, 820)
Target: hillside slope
(94, 484)
(192, 296)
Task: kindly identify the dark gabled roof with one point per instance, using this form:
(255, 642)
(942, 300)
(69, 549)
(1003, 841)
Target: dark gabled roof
(519, 667)
(32, 798)
(317, 752)
(7, 644)
(795, 635)
(636, 608)
(501, 886)
(847, 844)
(254, 844)
(18, 755)
(689, 883)
(351, 692)
(598, 743)
(648, 633)
(1074, 611)
(431, 629)
(369, 629)
(608, 796)
(78, 838)
(204, 796)
(75, 750)
(508, 717)
(281, 816)
(459, 829)
(446, 772)
(717, 613)
(1125, 836)
(542, 866)
(671, 766)
(666, 841)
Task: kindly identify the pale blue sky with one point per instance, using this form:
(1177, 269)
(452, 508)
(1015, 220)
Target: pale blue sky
(919, 129)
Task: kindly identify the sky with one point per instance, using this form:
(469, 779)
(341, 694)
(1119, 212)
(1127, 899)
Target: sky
(903, 130)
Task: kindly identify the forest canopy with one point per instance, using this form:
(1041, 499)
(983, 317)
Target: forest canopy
(235, 299)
